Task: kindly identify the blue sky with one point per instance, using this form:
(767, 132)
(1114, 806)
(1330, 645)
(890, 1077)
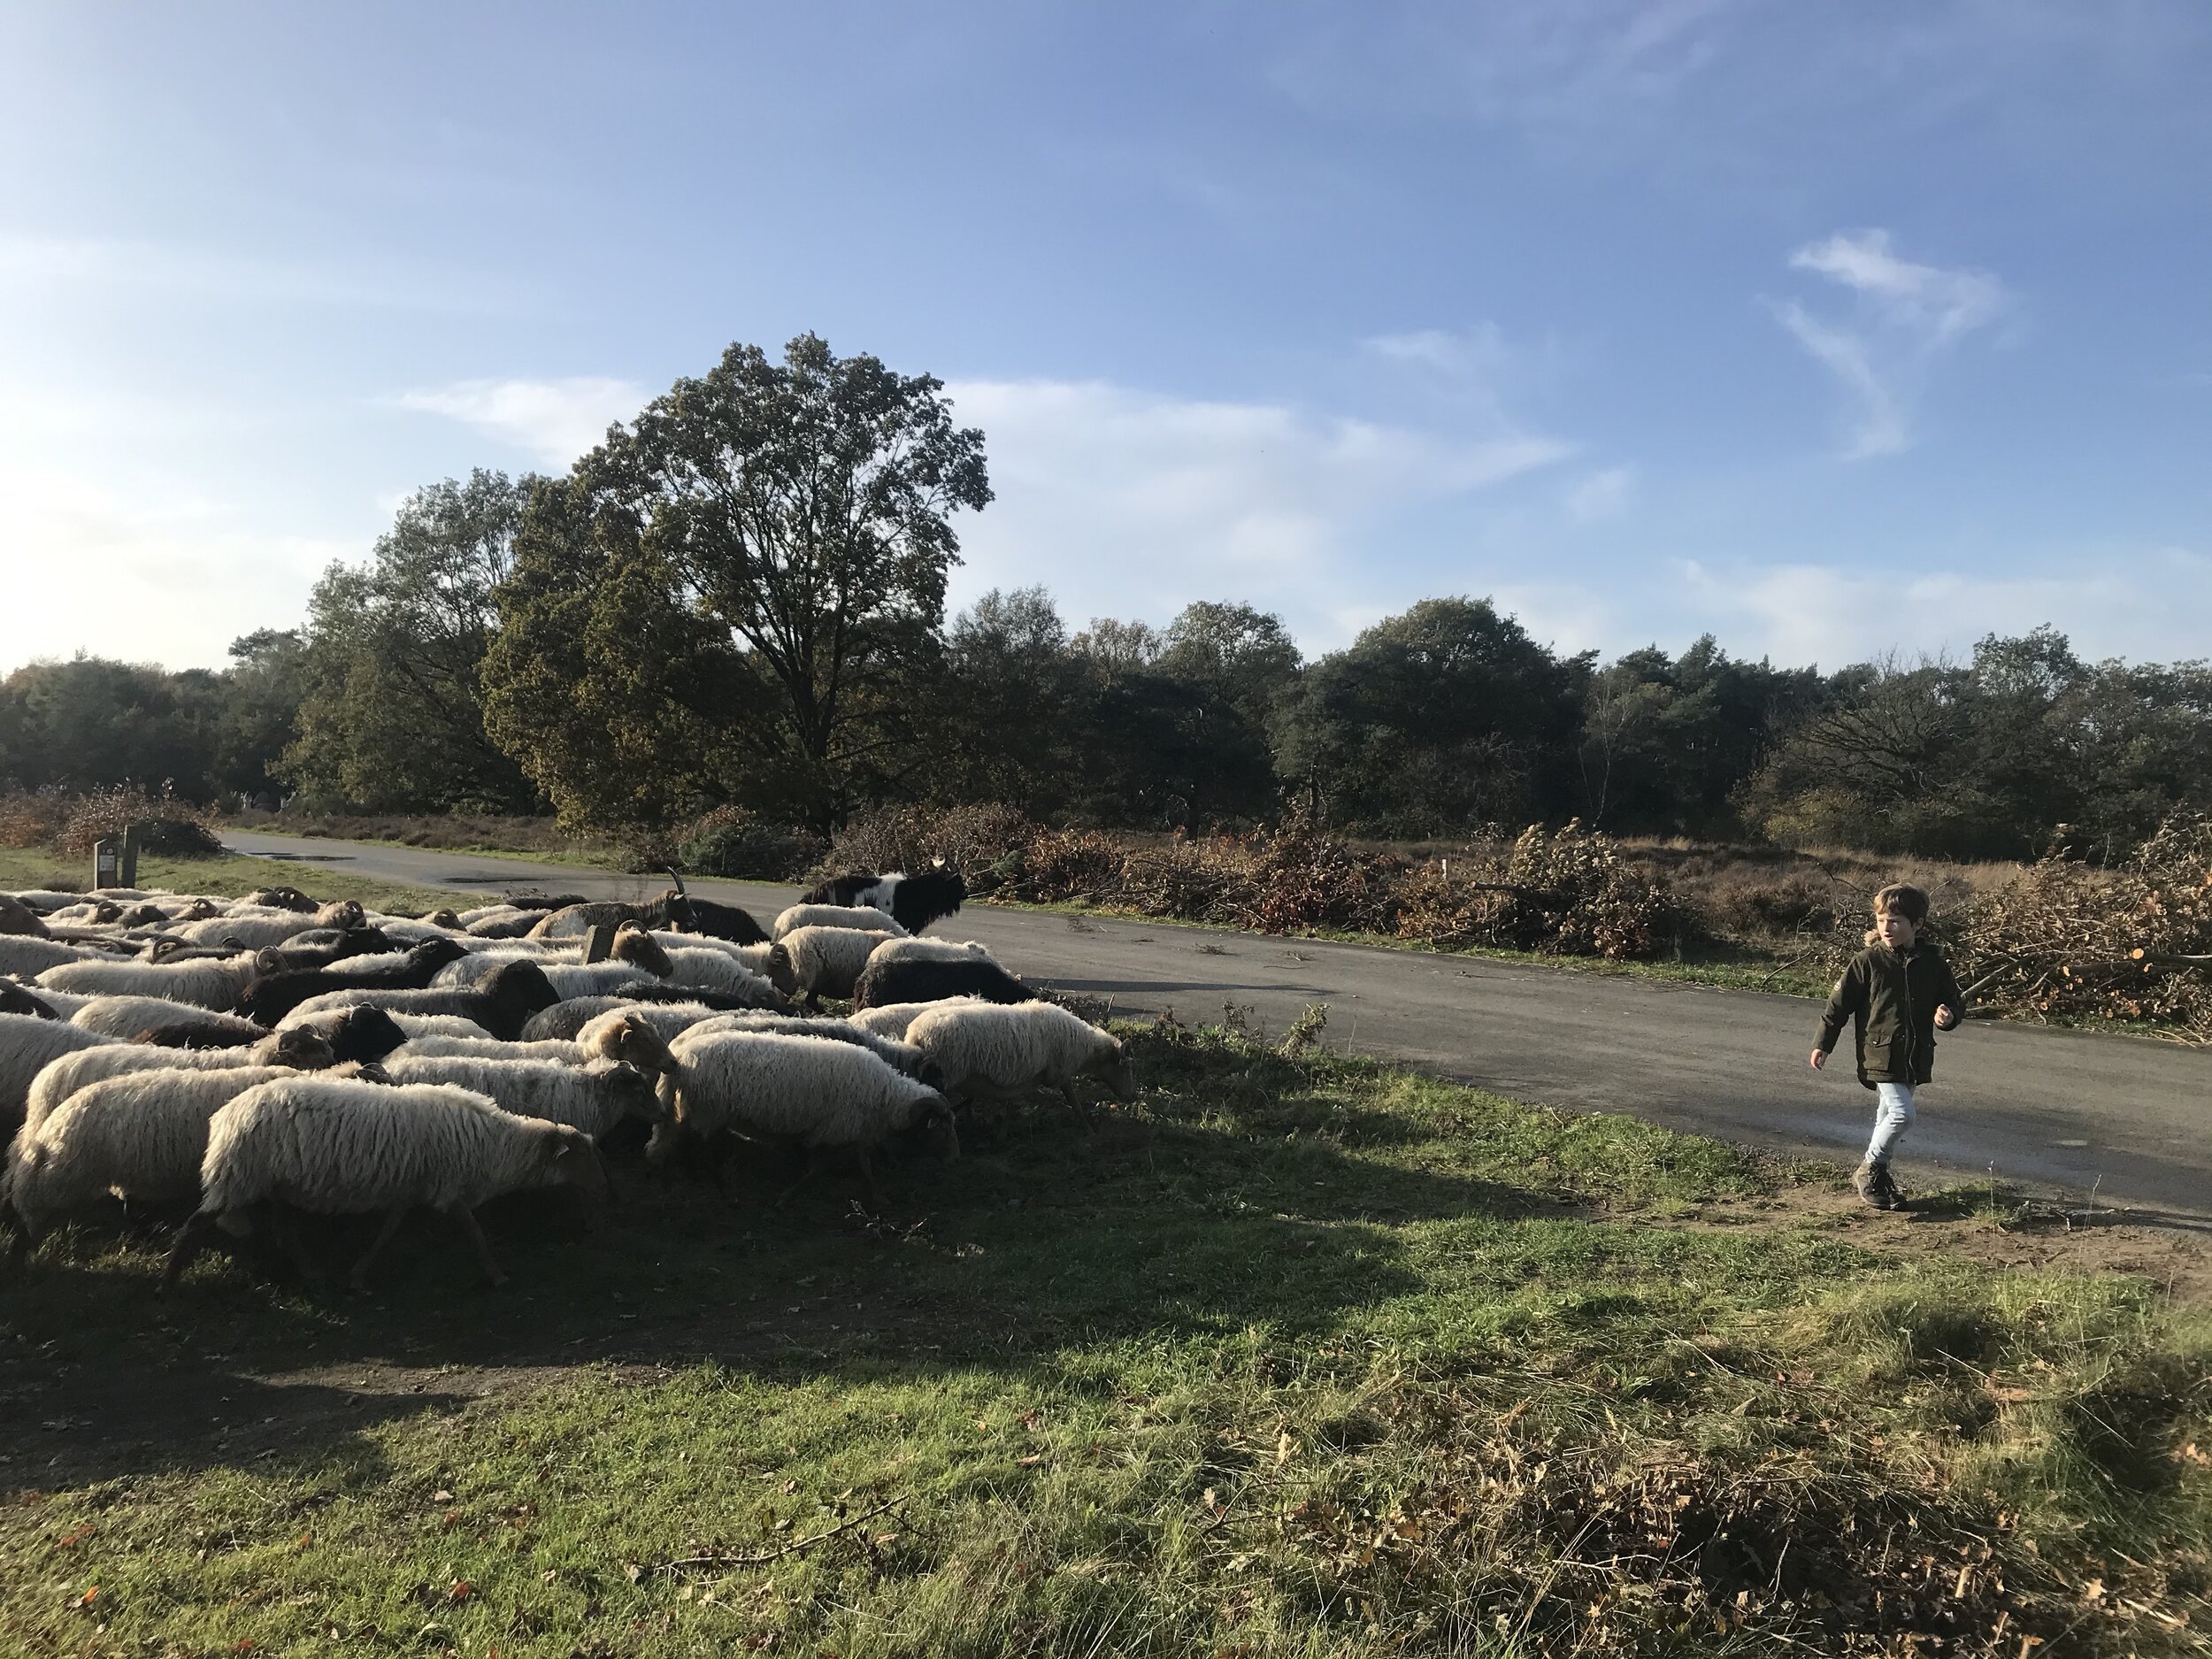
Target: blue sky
(1826, 329)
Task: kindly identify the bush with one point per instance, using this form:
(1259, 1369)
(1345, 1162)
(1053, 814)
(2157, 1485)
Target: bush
(977, 840)
(167, 827)
(1571, 892)
(33, 818)
(732, 841)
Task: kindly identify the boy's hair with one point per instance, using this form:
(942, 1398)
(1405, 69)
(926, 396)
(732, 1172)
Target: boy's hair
(1909, 903)
(1902, 897)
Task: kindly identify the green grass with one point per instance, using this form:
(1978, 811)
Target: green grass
(1310, 1358)
(226, 877)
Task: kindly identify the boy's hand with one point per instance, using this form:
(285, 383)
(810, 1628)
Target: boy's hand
(1946, 1017)
(1820, 1058)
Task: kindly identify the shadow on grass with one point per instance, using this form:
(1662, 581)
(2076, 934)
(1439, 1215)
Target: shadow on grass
(1250, 1209)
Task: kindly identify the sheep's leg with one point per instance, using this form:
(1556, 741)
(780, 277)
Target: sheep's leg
(360, 1278)
(813, 1162)
(482, 1246)
(869, 1183)
(288, 1237)
(191, 1240)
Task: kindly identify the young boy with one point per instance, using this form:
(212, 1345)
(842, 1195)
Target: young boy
(1897, 994)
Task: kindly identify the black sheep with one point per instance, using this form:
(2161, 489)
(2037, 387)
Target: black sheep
(912, 901)
(921, 979)
(212, 1031)
(15, 1000)
(319, 947)
(270, 997)
(716, 921)
(364, 1034)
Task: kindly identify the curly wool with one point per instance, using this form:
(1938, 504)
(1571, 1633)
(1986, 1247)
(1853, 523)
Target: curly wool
(594, 1097)
(808, 1089)
(861, 916)
(204, 984)
(703, 968)
(140, 1135)
(828, 961)
(666, 1020)
(342, 1146)
(22, 955)
(930, 950)
(892, 1019)
(1015, 1047)
(28, 1045)
(901, 1056)
(127, 1016)
(61, 1079)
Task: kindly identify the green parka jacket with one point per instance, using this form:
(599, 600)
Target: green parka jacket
(1890, 1000)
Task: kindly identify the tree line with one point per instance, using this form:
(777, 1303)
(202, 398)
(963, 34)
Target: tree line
(738, 599)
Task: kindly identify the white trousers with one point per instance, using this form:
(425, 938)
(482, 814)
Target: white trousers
(1892, 1116)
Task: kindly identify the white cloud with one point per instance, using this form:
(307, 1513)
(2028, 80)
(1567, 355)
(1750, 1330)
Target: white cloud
(2148, 606)
(1601, 494)
(554, 421)
(1905, 316)
(1128, 503)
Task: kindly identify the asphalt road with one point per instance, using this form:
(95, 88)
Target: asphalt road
(2128, 1119)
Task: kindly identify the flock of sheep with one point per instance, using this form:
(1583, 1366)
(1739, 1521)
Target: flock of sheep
(241, 1063)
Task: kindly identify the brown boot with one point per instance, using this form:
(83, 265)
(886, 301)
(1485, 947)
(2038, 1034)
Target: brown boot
(1872, 1182)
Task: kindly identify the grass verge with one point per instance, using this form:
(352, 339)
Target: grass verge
(230, 877)
(1290, 1356)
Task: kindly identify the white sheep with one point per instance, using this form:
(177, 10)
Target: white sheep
(862, 917)
(698, 968)
(593, 1097)
(826, 961)
(621, 1034)
(46, 902)
(25, 957)
(207, 983)
(762, 959)
(66, 1004)
(903, 1056)
(1001, 1049)
(666, 1019)
(931, 950)
(347, 1146)
(61, 1078)
(28, 1045)
(127, 1016)
(819, 1094)
(893, 1019)
(141, 1135)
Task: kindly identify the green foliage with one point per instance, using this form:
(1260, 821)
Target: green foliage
(775, 539)
(730, 841)
(1446, 717)
(2026, 745)
(392, 719)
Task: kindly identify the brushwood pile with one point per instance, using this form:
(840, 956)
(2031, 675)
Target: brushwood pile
(245, 1070)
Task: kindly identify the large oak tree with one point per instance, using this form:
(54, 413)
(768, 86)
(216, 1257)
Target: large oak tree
(726, 598)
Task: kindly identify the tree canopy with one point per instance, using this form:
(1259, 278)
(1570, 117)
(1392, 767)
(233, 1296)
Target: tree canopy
(799, 514)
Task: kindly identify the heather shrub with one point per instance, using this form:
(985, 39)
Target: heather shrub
(1569, 892)
(731, 841)
(167, 827)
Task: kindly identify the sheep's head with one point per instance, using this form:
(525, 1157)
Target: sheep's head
(15, 1000)
(933, 1112)
(446, 917)
(637, 946)
(143, 916)
(777, 967)
(635, 1040)
(435, 953)
(302, 1048)
(636, 1092)
(1111, 1066)
(200, 908)
(281, 899)
(103, 912)
(519, 989)
(340, 913)
(365, 1033)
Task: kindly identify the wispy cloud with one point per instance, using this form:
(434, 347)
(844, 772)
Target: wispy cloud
(1128, 503)
(1903, 317)
(553, 421)
(71, 264)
